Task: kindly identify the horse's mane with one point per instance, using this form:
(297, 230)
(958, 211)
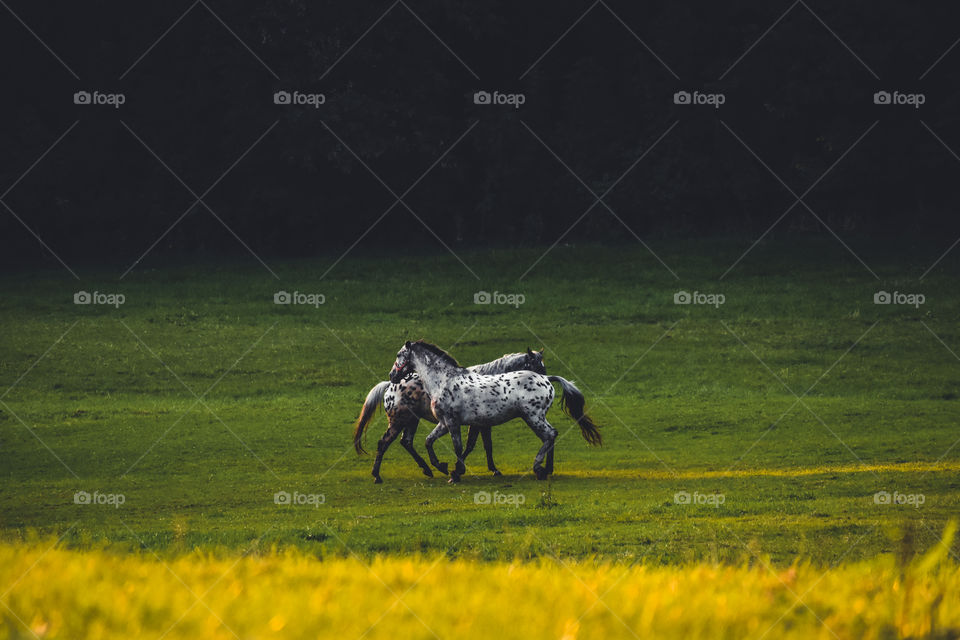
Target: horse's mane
(437, 351)
(499, 365)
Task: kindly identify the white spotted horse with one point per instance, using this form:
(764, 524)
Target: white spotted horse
(460, 396)
(406, 402)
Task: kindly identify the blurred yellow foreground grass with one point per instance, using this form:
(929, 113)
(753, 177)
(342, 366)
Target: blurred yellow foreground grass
(48, 592)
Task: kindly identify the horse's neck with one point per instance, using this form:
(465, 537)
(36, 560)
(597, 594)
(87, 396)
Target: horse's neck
(500, 365)
(436, 375)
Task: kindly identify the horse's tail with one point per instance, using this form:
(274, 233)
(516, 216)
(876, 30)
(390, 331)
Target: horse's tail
(572, 403)
(374, 398)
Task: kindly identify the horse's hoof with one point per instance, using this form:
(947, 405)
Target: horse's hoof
(442, 468)
(428, 473)
(377, 480)
(461, 469)
(453, 478)
(496, 473)
(541, 474)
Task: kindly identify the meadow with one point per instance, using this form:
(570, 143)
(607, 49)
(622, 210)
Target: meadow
(796, 422)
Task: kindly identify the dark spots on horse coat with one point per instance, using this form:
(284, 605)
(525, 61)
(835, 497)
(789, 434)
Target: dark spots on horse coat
(407, 400)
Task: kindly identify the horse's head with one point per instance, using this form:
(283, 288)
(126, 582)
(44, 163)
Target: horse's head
(418, 355)
(533, 361)
(403, 365)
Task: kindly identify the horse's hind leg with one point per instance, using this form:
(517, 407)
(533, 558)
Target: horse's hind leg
(484, 432)
(382, 445)
(488, 448)
(549, 465)
(460, 468)
(407, 443)
(436, 433)
(472, 433)
(548, 436)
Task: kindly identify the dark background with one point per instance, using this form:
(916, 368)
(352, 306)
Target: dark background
(200, 99)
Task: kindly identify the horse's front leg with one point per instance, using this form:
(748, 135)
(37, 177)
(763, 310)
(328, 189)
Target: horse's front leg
(438, 431)
(460, 469)
(383, 444)
(407, 443)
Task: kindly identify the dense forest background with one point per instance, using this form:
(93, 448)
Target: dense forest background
(399, 154)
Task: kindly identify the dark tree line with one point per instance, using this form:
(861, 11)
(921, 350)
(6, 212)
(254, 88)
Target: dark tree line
(597, 100)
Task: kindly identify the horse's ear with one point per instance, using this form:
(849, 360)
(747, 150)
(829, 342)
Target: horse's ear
(407, 344)
(529, 353)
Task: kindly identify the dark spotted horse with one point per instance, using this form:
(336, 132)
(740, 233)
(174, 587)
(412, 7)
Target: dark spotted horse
(406, 402)
(460, 396)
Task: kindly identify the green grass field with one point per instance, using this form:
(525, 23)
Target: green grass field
(199, 398)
